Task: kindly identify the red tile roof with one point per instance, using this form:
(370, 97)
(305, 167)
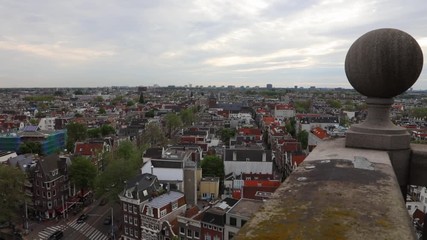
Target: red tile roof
(319, 132)
(88, 149)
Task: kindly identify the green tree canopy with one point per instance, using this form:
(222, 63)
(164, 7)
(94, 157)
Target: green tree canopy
(75, 132)
(291, 126)
(11, 193)
(302, 106)
(154, 135)
(107, 130)
(102, 111)
(334, 103)
(225, 134)
(187, 116)
(302, 137)
(173, 122)
(122, 164)
(94, 133)
(418, 112)
(212, 166)
(31, 147)
(83, 173)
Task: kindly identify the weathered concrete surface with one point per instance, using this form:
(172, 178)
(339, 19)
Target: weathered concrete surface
(418, 165)
(337, 193)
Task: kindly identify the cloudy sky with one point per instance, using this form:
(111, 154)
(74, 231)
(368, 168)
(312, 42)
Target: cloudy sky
(80, 43)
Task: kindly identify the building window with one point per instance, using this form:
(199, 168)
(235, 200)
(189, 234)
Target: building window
(126, 218)
(174, 205)
(189, 233)
(163, 213)
(54, 192)
(48, 194)
(53, 184)
(181, 230)
(130, 219)
(209, 226)
(208, 237)
(233, 221)
(43, 194)
(131, 231)
(204, 195)
(196, 234)
(150, 211)
(136, 233)
(214, 228)
(126, 230)
(135, 209)
(216, 237)
(129, 208)
(125, 207)
(220, 229)
(135, 221)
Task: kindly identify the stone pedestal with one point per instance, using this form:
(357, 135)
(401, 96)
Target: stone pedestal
(378, 132)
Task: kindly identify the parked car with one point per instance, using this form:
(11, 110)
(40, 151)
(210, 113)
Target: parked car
(107, 220)
(82, 218)
(56, 235)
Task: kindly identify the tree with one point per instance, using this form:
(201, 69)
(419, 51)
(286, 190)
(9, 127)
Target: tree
(212, 166)
(94, 133)
(102, 111)
(302, 106)
(149, 114)
(187, 116)
(12, 193)
(83, 173)
(418, 112)
(225, 134)
(31, 147)
(75, 132)
(173, 122)
(130, 103)
(334, 103)
(107, 130)
(302, 137)
(122, 164)
(154, 135)
(290, 126)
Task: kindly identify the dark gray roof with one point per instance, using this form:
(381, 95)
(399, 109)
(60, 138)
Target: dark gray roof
(142, 182)
(166, 164)
(214, 216)
(48, 164)
(252, 155)
(153, 153)
(21, 160)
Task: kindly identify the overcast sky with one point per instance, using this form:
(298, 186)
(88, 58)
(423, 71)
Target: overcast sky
(80, 43)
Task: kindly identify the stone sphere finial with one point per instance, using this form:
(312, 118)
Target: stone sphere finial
(383, 63)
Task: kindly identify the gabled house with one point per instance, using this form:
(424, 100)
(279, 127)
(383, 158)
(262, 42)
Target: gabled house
(51, 185)
(214, 219)
(137, 192)
(165, 207)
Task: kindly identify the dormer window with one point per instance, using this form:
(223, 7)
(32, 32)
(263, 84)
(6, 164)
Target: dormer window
(54, 172)
(129, 194)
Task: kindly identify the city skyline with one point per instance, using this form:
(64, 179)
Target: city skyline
(241, 43)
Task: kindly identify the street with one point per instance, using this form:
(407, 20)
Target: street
(93, 228)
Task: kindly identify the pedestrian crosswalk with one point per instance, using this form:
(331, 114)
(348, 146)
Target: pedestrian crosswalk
(90, 232)
(87, 230)
(45, 233)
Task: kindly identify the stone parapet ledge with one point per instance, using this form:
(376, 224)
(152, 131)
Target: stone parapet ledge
(418, 165)
(337, 193)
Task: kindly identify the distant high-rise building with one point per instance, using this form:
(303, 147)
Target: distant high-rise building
(269, 86)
